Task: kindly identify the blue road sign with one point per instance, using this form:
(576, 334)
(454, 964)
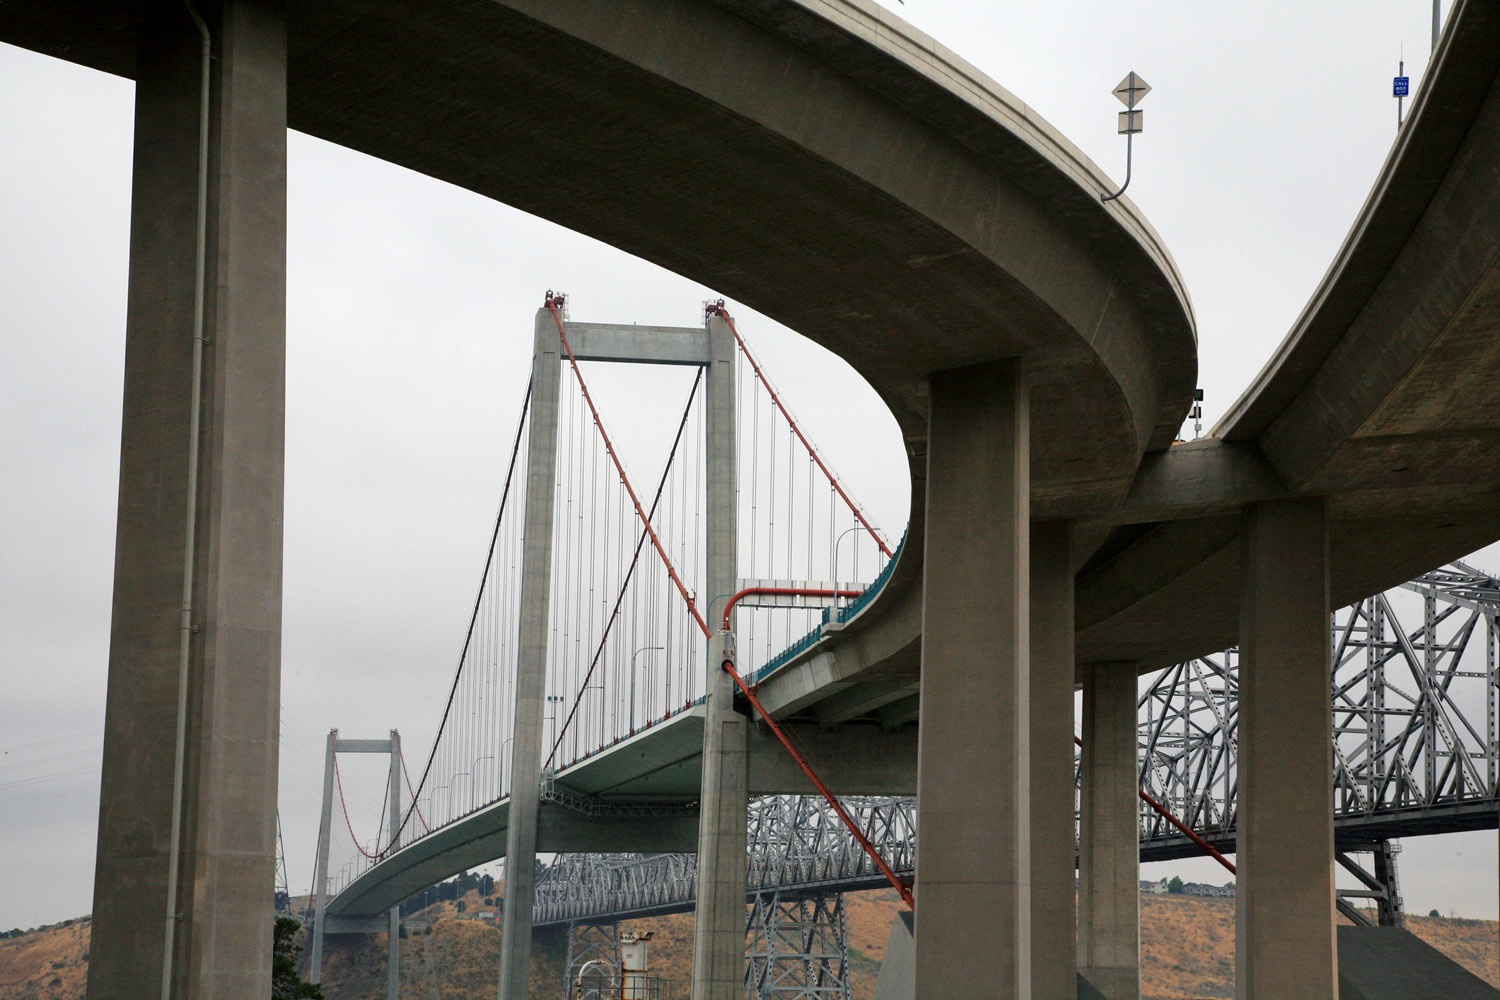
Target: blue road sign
(1401, 86)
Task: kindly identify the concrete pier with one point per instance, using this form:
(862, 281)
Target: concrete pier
(974, 773)
(719, 929)
(1054, 907)
(527, 748)
(217, 926)
(1284, 903)
(1109, 834)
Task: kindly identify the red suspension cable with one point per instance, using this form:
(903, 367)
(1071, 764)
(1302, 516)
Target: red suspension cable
(554, 306)
(344, 806)
(1188, 831)
(718, 309)
(901, 885)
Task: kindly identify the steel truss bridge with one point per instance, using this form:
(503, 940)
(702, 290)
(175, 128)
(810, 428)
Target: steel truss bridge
(1415, 695)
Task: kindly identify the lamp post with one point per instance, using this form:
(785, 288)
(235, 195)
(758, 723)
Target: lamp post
(638, 652)
(504, 763)
(553, 700)
(836, 541)
(474, 781)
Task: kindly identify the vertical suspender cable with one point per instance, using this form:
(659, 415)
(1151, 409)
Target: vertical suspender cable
(190, 541)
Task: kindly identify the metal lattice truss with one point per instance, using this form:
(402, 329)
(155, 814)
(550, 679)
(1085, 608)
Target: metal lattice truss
(794, 840)
(798, 947)
(1415, 751)
(1415, 695)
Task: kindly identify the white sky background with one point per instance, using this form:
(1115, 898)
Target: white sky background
(410, 307)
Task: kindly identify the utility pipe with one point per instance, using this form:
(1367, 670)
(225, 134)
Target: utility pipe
(189, 555)
(782, 592)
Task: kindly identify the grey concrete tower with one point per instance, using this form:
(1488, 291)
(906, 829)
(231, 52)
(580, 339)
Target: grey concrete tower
(719, 931)
(531, 668)
(187, 817)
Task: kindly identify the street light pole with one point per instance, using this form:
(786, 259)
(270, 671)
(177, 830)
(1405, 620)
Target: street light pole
(836, 541)
(474, 781)
(638, 652)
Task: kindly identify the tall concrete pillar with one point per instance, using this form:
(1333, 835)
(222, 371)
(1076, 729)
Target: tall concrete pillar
(1109, 950)
(527, 748)
(1054, 907)
(1284, 901)
(974, 773)
(320, 862)
(393, 924)
(207, 266)
(719, 928)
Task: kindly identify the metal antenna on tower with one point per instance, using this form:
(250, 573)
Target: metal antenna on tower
(1130, 92)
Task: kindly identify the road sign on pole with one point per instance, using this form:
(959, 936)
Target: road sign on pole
(1132, 89)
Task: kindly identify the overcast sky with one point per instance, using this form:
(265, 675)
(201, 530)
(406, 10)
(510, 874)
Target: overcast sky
(410, 306)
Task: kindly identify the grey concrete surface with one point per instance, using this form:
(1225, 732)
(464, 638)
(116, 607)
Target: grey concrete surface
(898, 966)
(528, 746)
(719, 926)
(223, 937)
(974, 771)
(1109, 937)
(1285, 942)
(1388, 963)
(1054, 906)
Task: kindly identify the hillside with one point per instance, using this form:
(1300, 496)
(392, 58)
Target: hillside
(1187, 953)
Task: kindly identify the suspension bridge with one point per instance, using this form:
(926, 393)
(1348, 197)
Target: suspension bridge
(1413, 694)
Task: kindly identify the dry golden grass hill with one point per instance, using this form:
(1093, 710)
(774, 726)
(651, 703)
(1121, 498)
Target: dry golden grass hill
(1187, 953)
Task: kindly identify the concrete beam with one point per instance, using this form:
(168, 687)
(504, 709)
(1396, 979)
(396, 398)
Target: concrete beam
(853, 760)
(217, 927)
(563, 831)
(648, 345)
(973, 789)
(1197, 479)
(1285, 942)
(899, 713)
(861, 699)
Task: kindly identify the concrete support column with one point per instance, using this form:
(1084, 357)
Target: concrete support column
(527, 747)
(1284, 903)
(320, 862)
(1054, 907)
(719, 929)
(1109, 949)
(217, 925)
(393, 927)
(974, 771)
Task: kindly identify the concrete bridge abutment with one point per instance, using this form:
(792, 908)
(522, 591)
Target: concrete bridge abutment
(187, 819)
